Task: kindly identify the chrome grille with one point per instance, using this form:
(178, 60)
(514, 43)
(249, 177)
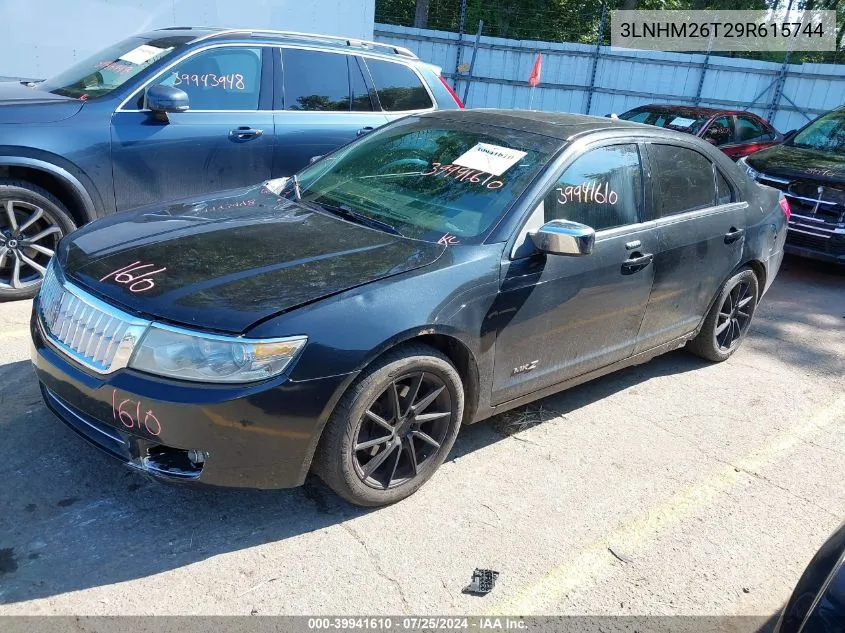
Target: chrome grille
(818, 211)
(86, 329)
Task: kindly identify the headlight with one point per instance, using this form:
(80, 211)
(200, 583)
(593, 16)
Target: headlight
(177, 353)
(749, 170)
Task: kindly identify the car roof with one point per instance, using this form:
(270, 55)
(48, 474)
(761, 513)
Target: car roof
(265, 36)
(688, 110)
(562, 126)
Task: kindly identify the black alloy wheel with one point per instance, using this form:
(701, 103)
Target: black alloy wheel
(402, 429)
(393, 427)
(726, 325)
(734, 316)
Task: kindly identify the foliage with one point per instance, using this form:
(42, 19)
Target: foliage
(577, 20)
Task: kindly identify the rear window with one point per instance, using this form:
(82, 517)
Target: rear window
(683, 180)
(398, 87)
(435, 180)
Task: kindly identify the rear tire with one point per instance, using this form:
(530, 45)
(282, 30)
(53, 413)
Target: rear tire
(393, 428)
(32, 221)
(728, 321)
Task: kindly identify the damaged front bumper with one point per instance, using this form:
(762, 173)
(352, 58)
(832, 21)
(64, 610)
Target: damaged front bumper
(255, 436)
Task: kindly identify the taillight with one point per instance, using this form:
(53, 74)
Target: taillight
(784, 205)
(451, 92)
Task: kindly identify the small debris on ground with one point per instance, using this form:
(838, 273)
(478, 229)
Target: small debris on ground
(482, 583)
(517, 420)
(620, 557)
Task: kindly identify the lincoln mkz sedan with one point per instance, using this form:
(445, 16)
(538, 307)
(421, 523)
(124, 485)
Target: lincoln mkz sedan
(440, 270)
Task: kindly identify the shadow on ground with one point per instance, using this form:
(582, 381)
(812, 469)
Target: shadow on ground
(71, 518)
(794, 321)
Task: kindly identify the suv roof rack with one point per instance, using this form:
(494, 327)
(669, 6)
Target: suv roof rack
(332, 39)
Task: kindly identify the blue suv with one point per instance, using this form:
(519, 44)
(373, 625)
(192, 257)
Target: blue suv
(181, 112)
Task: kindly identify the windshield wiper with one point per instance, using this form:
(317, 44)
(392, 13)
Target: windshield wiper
(359, 218)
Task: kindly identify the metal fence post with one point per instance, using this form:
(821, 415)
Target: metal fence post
(459, 53)
(703, 73)
(781, 80)
(472, 60)
(596, 57)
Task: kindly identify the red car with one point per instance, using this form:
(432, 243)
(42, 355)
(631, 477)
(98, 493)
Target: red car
(736, 132)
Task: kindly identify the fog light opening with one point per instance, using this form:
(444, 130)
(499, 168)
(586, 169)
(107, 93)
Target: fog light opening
(174, 462)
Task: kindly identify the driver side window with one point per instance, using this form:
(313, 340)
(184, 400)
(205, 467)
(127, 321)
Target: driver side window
(603, 189)
(219, 79)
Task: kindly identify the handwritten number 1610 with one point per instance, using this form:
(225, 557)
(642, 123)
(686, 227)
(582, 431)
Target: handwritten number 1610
(129, 414)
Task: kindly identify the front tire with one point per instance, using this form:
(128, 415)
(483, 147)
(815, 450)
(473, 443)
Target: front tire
(728, 321)
(393, 428)
(32, 221)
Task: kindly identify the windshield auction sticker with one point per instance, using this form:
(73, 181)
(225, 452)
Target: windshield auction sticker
(724, 30)
(492, 159)
(141, 54)
(681, 122)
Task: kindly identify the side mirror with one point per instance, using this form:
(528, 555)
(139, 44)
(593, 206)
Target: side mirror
(162, 99)
(562, 237)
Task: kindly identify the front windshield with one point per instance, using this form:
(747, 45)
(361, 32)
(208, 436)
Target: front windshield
(110, 68)
(430, 179)
(680, 121)
(827, 133)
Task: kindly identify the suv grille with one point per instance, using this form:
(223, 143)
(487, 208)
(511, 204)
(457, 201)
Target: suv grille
(87, 330)
(818, 211)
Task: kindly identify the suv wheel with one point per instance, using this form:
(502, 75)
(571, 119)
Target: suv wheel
(32, 221)
(393, 428)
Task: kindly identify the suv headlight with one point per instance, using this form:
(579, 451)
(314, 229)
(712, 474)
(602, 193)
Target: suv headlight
(186, 355)
(749, 170)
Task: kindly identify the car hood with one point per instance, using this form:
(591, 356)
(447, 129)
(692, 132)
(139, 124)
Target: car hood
(797, 162)
(22, 104)
(227, 263)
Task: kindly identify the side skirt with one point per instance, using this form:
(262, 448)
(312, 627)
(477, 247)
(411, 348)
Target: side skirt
(637, 359)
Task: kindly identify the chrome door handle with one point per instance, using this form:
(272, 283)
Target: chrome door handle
(245, 133)
(733, 235)
(636, 262)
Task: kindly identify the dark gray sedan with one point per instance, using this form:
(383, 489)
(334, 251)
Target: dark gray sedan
(440, 270)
